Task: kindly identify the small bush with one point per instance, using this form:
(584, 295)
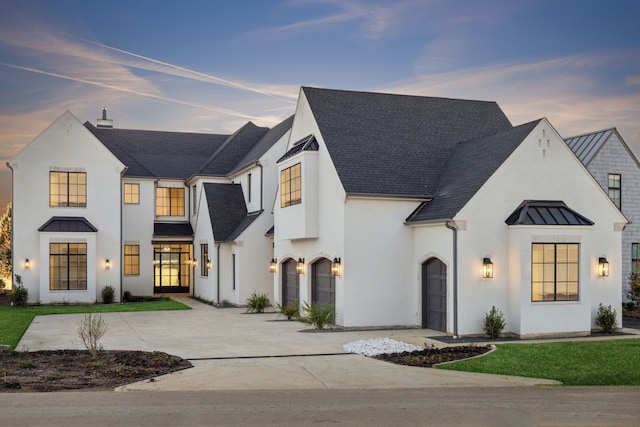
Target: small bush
(291, 310)
(127, 297)
(493, 323)
(317, 316)
(108, 294)
(91, 330)
(256, 303)
(19, 294)
(606, 318)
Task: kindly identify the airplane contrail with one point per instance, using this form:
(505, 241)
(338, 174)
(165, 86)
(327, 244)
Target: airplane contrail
(127, 90)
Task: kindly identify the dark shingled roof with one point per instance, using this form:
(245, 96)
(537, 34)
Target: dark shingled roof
(68, 224)
(537, 212)
(472, 163)
(266, 142)
(159, 154)
(172, 229)
(234, 149)
(227, 211)
(397, 145)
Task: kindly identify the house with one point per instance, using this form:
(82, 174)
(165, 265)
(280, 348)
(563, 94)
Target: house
(612, 163)
(417, 211)
(147, 212)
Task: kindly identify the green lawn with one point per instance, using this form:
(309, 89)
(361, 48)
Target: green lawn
(14, 321)
(615, 362)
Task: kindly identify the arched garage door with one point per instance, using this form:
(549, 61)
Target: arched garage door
(323, 284)
(434, 295)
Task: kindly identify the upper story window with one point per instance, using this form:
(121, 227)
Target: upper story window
(67, 189)
(635, 258)
(131, 194)
(169, 201)
(249, 188)
(615, 189)
(555, 271)
(290, 186)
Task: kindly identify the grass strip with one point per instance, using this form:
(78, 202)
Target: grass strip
(608, 362)
(14, 321)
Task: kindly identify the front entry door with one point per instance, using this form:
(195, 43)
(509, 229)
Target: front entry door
(323, 284)
(171, 268)
(434, 295)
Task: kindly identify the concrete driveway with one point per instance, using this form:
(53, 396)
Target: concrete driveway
(231, 350)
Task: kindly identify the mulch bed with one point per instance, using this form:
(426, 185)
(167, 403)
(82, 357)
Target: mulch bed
(431, 356)
(57, 370)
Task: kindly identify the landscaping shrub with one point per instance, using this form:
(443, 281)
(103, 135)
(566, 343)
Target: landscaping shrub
(256, 303)
(606, 318)
(317, 316)
(291, 310)
(91, 330)
(127, 297)
(108, 293)
(633, 293)
(19, 294)
(493, 323)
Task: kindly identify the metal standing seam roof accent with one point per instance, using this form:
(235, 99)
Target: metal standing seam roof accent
(308, 143)
(172, 229)
(68, 224)
(539, 212)
(586, 146)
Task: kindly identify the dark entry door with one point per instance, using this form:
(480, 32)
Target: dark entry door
(290, 282)
(323, 284)
(434, 295)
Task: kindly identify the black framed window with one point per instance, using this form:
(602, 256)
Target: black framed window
(67, 189)
(204, 258)
(635, 258)
(555, 269)
(615, 189)
(131, 260)
(169, 201)
(290, 186)
(131, 194)
(67, 266)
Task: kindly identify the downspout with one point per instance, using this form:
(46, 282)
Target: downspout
(218, 273)
(451, 225)
(261, 182)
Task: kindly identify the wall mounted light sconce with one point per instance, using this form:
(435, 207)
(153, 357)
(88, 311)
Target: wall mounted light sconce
(300, 266)
(603, 267)
(273, 265)
(487, 268)
(209, 264)
(336, 267)
(27, 264)
(194, 262)
(156, 262)
(107, 264)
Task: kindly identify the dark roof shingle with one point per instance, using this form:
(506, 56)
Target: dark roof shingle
(397, 145)
(227, 211)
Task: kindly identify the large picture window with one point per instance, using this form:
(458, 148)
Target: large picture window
(555, 271)
(615, 189)
(169, 201)
(131, 260)
(67, 189)
(67, 266)
(290, 186)
(131, 194)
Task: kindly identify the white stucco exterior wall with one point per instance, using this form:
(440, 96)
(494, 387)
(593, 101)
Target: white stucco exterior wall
(541, 168)
(66, 145)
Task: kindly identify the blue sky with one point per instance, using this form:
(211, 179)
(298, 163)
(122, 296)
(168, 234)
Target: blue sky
(210, 66)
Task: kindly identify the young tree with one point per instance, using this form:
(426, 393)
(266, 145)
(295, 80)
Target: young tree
(5, 243)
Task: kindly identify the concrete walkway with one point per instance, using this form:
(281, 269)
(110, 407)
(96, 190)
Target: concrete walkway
(231, 350)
